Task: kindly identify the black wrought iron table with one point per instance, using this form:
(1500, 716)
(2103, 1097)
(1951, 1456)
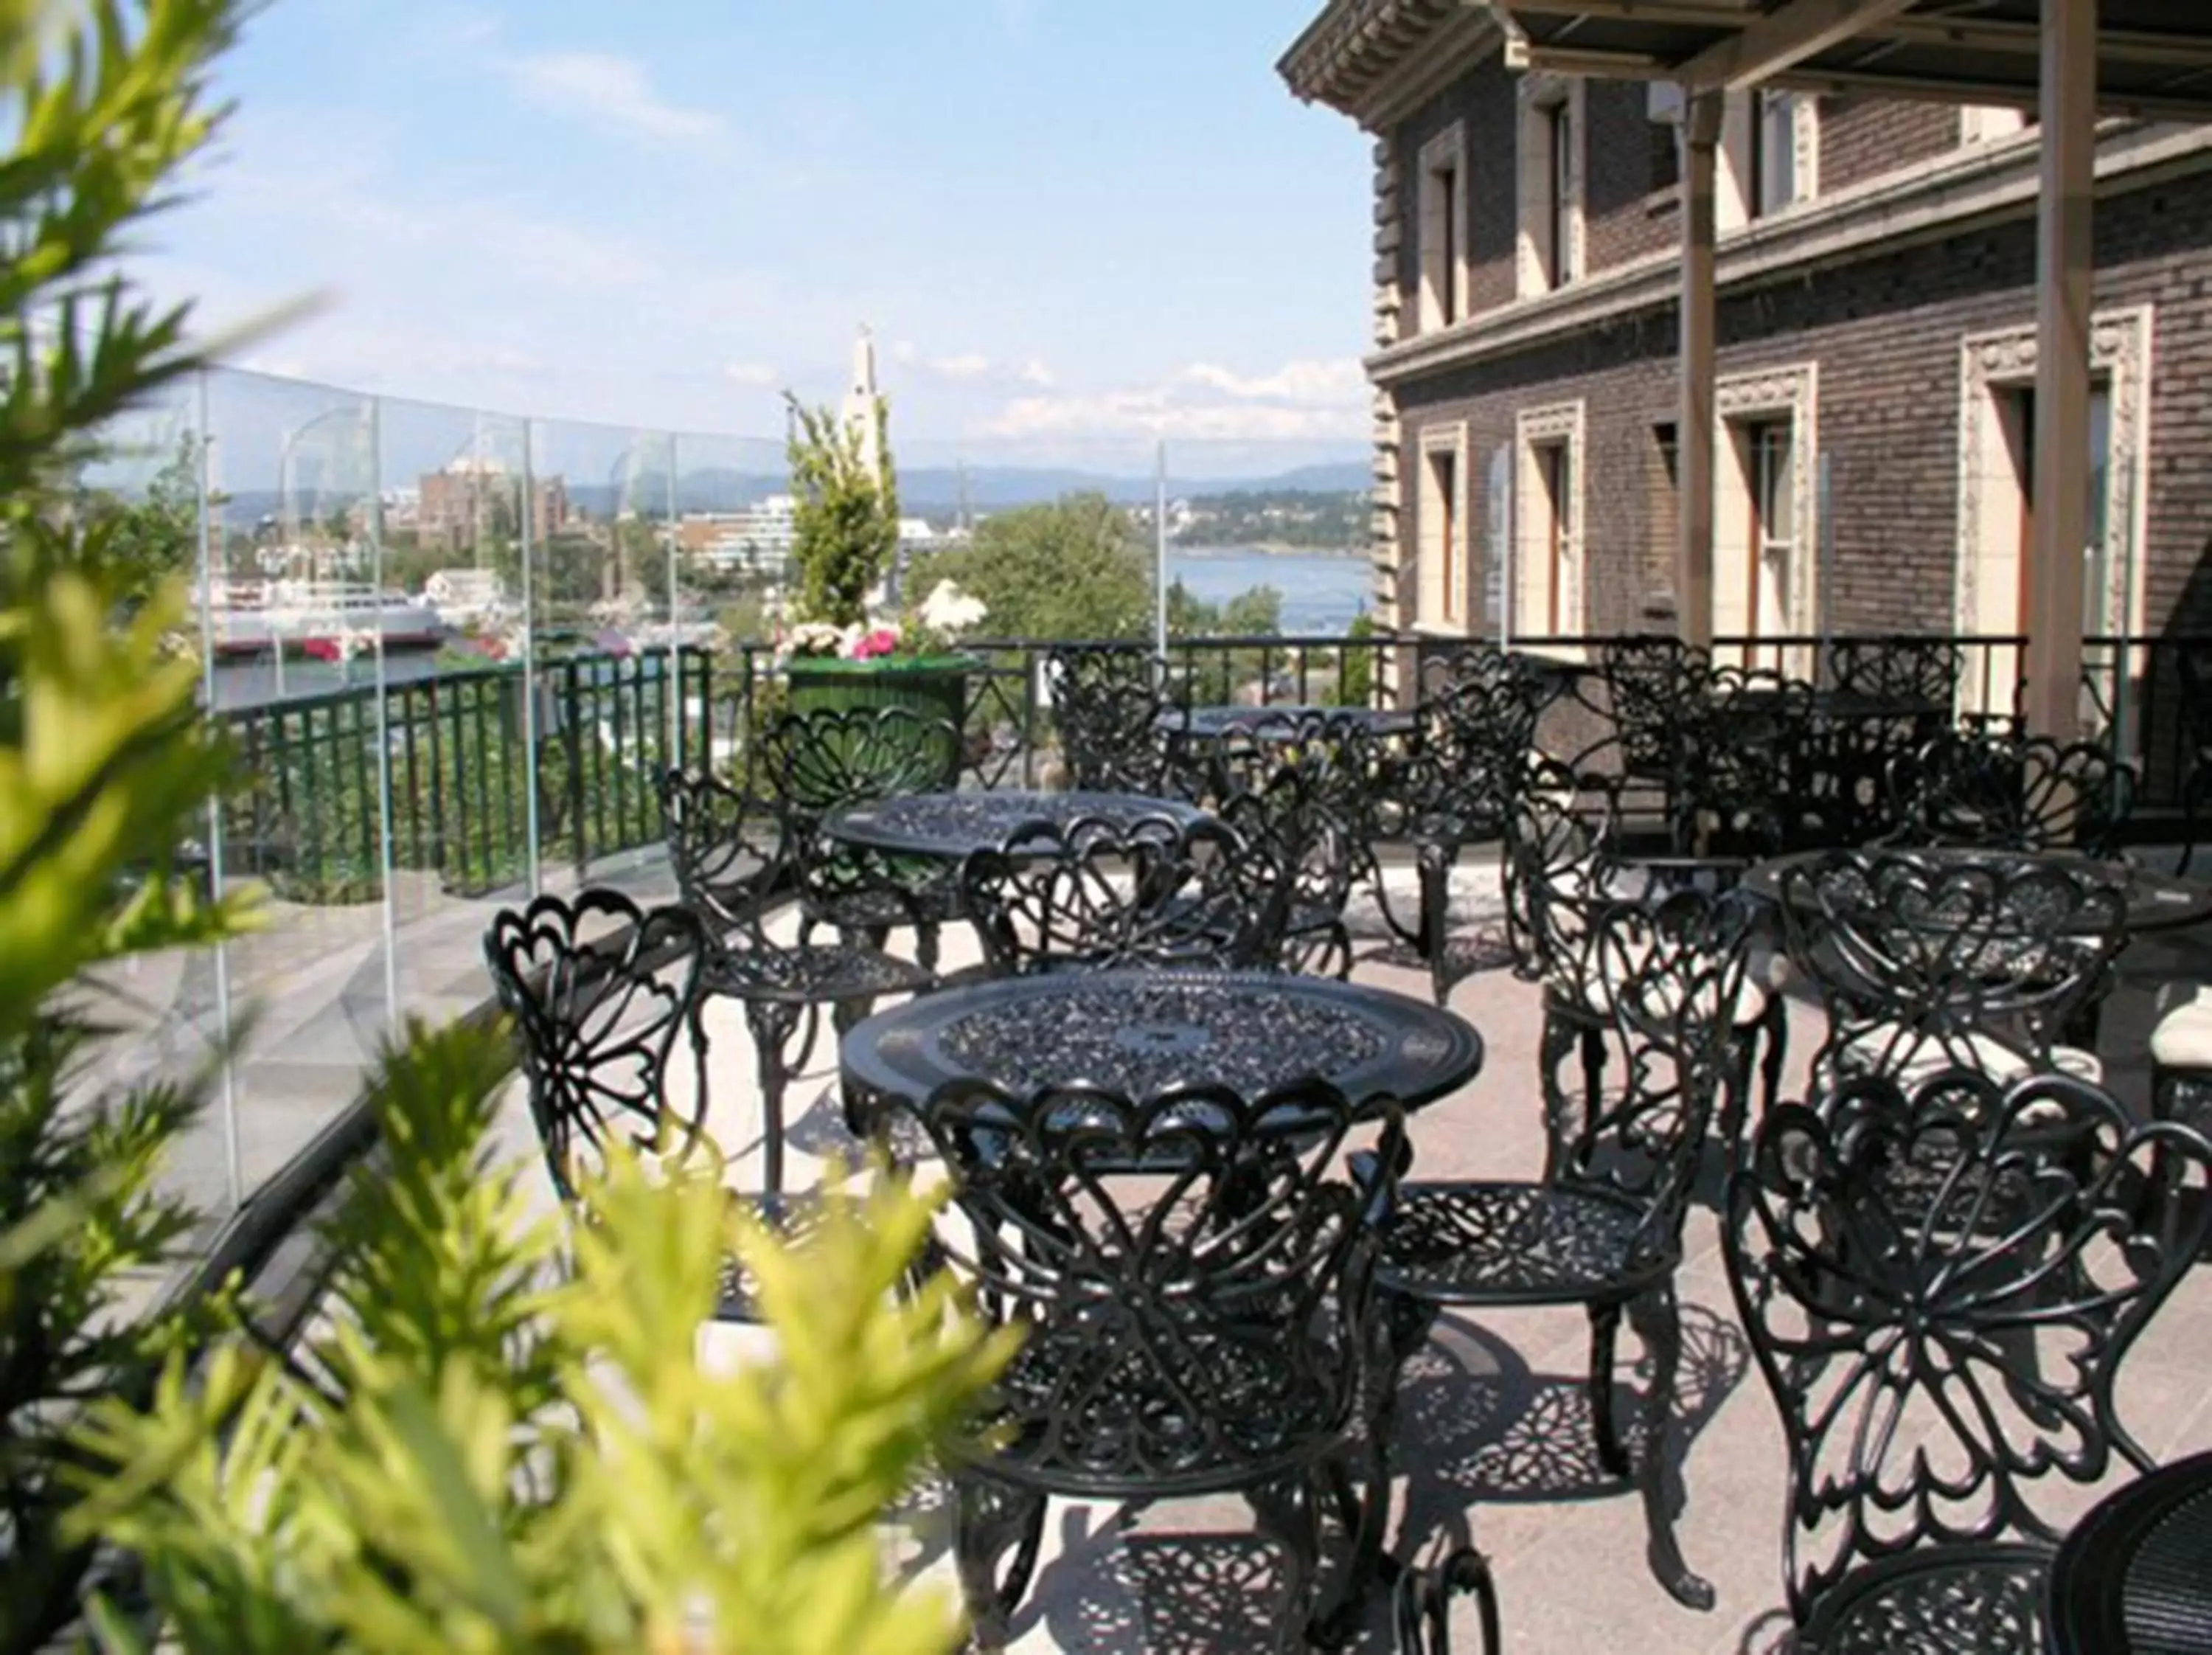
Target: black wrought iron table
(2155, 901)
(952, 824)
(1203, 723)
(1140, 1033)
(2135, 1576)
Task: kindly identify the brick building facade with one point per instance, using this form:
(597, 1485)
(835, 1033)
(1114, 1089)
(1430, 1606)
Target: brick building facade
(1877, 272)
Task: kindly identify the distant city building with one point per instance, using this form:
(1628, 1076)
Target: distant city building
(471, 497)
(757, 540)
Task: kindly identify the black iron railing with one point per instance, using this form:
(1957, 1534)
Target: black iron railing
(489, 767)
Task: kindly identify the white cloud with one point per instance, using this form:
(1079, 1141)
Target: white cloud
(1305, 382)
(967, 365)
(1034, 372)
(615, 91)
(1308, 400)
(753, 374)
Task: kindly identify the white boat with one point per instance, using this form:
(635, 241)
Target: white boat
(257, 617)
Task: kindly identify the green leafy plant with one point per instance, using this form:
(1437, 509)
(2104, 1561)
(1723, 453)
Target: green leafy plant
(845, 515)
(104, 765)
(512, 1445)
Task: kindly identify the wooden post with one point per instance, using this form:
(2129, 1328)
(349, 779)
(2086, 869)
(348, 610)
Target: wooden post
(1693, 437)
(2064, 283)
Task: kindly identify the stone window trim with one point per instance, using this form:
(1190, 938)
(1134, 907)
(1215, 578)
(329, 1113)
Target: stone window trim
(1983, 123)
(1443, 155)
(1554, 424)
(1788, 391)
(1537, 97)
(1432, 614)
(1990, 363)
(1732, 205)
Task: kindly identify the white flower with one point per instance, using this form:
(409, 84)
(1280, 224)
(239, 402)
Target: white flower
(813, 638)
(948, 609)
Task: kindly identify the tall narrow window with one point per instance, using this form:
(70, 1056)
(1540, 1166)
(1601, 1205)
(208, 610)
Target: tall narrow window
(1555, 476)
(1443, 490)
(1773, 527)
(1442, 234)
(1558, 237)
(1773, 152)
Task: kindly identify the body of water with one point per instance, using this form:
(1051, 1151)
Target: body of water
(1320, 594)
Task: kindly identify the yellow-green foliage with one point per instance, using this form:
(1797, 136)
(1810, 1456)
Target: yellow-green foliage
(845, 518)
(509, 1447)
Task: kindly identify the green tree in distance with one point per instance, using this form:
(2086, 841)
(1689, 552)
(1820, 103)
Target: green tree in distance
(1076, 568)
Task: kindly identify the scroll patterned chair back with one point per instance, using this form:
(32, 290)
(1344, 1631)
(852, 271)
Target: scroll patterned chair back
(1666, 979)
(1304, 827)
(1468, 756)
(1910, 672)
(824, 761)
(1940, 1302)
(726, 850)
(1928, 962)
(1999, 792)
(1093, 894)
(599, 1018)
(1556, 835)
(1196, 1244)
(1645, 679)
(1193, 1276)
(1739, 780)
(1107, 700)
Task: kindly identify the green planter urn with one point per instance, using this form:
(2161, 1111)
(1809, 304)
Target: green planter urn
(933, 687)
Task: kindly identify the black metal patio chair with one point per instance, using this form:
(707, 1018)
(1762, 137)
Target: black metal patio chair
(1602, 1228)
(1192, 1275)
(1646, 679)
(1445, 787)
(1909, 672)
(1093, 894)
(2016, 793)
(1108, 701)
(1929, 962)
(606, 999)
(818, 763)
(732, 858)
(1940, 1306)
(1570, 850)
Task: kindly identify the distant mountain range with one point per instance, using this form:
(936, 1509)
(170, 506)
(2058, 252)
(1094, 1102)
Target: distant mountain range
(924, 490)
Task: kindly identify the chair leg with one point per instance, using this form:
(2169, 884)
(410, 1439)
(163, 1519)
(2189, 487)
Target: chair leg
(771, 1022)
(859, 1112)
(1362, 1516)
(1659, 1325)
(992, 1521)
(1605, 1333)
(1775, 1038)
(926, 946)
(1288, 1513)
(1435, 867)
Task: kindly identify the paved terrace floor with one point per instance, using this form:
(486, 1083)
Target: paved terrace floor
(1494, 1441)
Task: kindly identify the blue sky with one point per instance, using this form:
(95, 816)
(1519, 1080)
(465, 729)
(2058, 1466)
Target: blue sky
(1073, 224)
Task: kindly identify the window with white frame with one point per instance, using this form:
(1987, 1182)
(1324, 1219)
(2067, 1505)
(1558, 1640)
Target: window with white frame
(1765, 571)
(1547, 586)
(1442, 234)
(1770, 155)
(1441, 527)
(1989, 123)
(1550, 177)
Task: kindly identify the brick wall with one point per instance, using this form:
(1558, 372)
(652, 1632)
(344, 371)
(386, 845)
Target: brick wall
(1484, 100)
(1863, 138)
(1624, 220)
(1885, 333)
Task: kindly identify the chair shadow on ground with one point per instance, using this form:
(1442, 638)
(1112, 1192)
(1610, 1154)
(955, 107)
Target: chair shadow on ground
(1477, 1426)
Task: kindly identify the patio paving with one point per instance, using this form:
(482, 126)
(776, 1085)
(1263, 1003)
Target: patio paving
(1494, 1438)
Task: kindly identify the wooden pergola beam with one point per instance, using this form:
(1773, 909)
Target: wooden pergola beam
(1779, 40)
(2017, 95)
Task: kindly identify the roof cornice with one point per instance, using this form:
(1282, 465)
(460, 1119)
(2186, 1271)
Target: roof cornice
(1357, 56)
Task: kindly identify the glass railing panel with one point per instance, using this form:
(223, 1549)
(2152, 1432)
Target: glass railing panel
(732, 582)
(458, 713)
(302, 631)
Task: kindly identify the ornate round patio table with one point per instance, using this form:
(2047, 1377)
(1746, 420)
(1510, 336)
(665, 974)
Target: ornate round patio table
(2155, 901)
(2135, 1576)
(1205, 723)
(1140, 1033)
(952, 824)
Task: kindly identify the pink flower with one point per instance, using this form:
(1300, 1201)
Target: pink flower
(881, 642)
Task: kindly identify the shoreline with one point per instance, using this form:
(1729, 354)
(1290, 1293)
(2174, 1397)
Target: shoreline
(1269, 549)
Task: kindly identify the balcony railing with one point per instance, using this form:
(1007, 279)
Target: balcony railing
(493, 770)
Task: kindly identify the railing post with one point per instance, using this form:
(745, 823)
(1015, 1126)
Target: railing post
(571, 739)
